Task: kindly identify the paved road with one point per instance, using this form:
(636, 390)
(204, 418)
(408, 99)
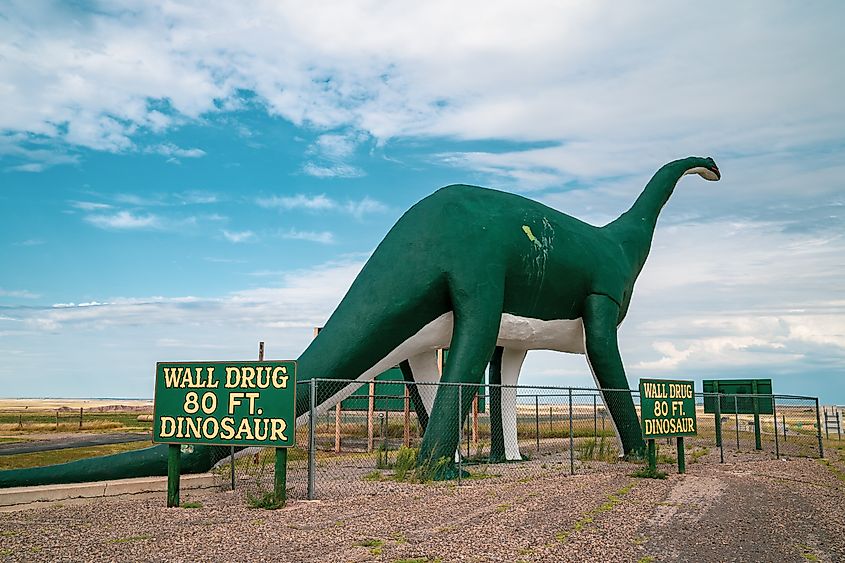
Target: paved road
(74, 441)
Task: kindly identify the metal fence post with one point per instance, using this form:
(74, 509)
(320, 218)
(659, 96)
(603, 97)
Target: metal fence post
(595, 418)
(460, 428)
(312, 438)
(571, 441)
(232, 465)
(736, 422)
(783, 423)
(719, 428)
(819, 429)
(537, 420)
(775, 420)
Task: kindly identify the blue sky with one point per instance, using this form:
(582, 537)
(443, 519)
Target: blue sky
(181, 180)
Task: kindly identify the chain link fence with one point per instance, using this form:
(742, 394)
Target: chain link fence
(351, 433)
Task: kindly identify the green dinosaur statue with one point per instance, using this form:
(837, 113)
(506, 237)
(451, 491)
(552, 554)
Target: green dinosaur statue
(469, 268)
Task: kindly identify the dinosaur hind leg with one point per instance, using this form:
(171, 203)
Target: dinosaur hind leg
(477, 316)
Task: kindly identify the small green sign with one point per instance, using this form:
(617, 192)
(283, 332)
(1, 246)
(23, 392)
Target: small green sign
(226, 403)
(738, 405)
(668, 408)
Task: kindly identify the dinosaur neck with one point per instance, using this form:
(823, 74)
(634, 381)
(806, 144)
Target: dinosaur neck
(635, 228)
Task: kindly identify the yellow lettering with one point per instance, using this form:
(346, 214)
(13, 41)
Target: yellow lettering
(278, 428)
(243, 428)
(193, 427)
(210, 428)
(168, 427)
(258, 425)
(210, 381)
(171, 377)
(228, 428)
(233, 377)
(234, 401)
(280, 381)
(248, 377)
(262, 371)
(252, 396)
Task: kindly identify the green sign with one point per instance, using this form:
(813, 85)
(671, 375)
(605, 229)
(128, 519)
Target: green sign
(738, 405)
(226, 403)
(668, 408)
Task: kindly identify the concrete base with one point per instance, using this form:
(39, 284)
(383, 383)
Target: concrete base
(16, 498)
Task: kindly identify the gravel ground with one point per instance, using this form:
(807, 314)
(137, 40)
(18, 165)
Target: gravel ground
(749, 509)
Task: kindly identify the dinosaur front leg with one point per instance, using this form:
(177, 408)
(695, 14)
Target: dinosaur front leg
(600, 321)
(477, 317)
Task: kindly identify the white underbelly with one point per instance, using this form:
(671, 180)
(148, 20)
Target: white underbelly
(521, 333)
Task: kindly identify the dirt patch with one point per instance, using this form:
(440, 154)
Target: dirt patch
(754, 510)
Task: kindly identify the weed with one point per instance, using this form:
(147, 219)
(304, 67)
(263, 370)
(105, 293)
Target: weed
(807, 553)
(406, 459)
(838, 473)
(382, 462)
(191, 504)
(639, 540)
(613, 499)
(267, 501)
(398, 537)
(646, 559)
(698, 453)
(5, 552)
(374, 475)
(647, 472)
(7, 534)
(503, 508)
(374, 544)
(427, 471)
(601, 450)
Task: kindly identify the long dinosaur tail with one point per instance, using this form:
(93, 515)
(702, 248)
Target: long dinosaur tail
(145, 462)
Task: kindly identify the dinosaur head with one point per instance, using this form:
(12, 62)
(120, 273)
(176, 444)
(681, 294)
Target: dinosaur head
(704, 167)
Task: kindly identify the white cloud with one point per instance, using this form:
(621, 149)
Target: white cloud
(323, 237)
(300, 201)
(124, 220)
(238, 236)
(567, 72)
(304, 298)
(363, 207)
(356, 208)
(336, 147)
(18, 293)
(171, 150)
(89, 205)
(338, 170)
